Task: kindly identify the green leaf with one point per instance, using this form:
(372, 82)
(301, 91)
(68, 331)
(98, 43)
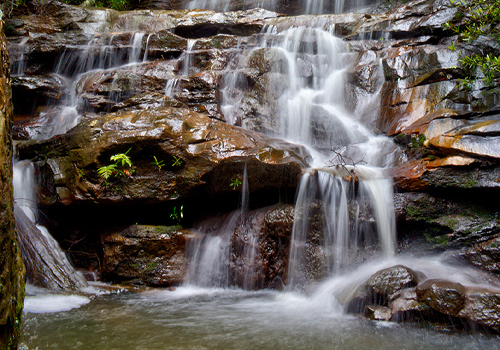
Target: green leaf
(122, 158)
(106, 171)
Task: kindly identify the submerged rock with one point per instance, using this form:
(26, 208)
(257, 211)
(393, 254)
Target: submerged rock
(378, 313)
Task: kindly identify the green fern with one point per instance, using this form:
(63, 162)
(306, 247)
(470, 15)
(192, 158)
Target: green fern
(107, 171)
(123, 158)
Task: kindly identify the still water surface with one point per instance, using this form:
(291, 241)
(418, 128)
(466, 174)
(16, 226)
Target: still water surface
(194, 318)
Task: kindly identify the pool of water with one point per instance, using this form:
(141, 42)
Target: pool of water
(195, 318)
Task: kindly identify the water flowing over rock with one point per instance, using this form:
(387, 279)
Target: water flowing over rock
(247, 249)
(46, 265)
(273, 140)
(209, 154)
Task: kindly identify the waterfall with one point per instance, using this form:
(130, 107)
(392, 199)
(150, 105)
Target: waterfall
(209, 254)
(317, 7)
(311, 7)
(344, 202)
(17, 57)
(47, 265)
(187, 63)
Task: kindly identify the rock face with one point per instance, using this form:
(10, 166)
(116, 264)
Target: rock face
(196, 154)
(251, 252)
(152, 255)
(12, 276)
(169, 89)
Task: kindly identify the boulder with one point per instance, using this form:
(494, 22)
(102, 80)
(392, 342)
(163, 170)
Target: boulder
(385, 283)
(141, 254)
(443, 296)
(482, 307)
(382, 288)
(196, 153)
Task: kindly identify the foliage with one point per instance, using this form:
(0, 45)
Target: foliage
(9, 5)
(177, 215)
(122, 166)
(235, 183)
(158, 163)
(106, 171)
(177, 161)
(418, 142)
(477, 18)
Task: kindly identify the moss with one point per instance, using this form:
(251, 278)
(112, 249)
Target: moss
(437, 241)
(165, 230)
(414, 213)
(469, 182)
(151, 266)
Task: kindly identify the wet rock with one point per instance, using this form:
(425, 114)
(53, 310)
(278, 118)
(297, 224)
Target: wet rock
(197, 153)
(271, 246)
(477, 138)
(405, 306)
(443, 222)
(33, 91)
(13, 274)
(385, 283)
(485, 255)
(443, 296)
(482, 307)
(378, 313)
(253, 247)
(46, 265)
(152, 255)
(382, 289)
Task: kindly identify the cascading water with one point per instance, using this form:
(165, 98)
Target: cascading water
(345, 190)
(46, 263)
(210, 253)
(308, 6)
(315, 7)
(344, 201)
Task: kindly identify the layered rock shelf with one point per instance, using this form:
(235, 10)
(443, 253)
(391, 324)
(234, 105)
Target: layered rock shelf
(157, 86)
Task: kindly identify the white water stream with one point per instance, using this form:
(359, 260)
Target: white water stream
(346, 178)
(347, 174)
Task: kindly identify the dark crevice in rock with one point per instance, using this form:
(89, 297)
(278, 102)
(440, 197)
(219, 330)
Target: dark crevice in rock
(209, 30)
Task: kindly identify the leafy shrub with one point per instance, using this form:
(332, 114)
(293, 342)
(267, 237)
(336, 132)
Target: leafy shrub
(477, 18)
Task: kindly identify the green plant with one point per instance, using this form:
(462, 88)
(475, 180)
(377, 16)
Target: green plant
(177, 161)
(177, 215)
(235, 183)
(122, 158)
(118, 168)
(418, 142)
(158, 163)
(477, 18)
